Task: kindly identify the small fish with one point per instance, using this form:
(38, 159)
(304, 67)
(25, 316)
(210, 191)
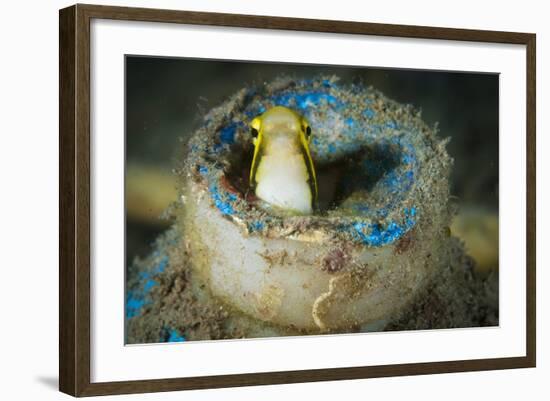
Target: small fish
(282, 172)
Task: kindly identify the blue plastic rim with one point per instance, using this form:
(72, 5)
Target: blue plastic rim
(345, 121)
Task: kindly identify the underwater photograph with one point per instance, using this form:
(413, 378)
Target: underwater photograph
(274, 199)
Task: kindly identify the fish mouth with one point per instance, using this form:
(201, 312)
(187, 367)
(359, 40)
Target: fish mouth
(282, 143)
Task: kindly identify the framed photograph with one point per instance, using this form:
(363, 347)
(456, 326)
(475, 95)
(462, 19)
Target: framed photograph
(251, 200)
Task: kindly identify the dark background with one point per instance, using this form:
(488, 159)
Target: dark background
(166, 98)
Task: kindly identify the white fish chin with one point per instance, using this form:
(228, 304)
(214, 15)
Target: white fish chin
(283, 182)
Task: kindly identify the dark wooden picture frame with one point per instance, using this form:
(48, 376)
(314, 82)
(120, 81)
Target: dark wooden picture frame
(74, 203)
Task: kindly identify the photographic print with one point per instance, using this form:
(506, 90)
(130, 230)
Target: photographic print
(279, 200)
(273, 199)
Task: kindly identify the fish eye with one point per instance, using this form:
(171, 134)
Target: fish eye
(254, 132)
(308, 131)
